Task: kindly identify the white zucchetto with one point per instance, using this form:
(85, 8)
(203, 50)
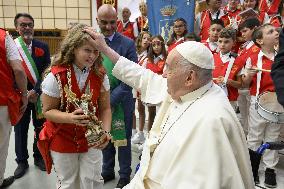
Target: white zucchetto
(196, 53)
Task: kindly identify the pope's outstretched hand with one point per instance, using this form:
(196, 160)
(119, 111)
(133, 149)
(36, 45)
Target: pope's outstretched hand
(98, 39)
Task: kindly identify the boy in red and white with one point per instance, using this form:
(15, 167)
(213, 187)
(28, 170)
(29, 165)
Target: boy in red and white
(247, 49)
(125, 27)
(226, 72)
(260, 130)
(214, 30)
(204, 18)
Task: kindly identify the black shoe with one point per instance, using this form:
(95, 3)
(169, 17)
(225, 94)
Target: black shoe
(256, 180)
(122, 182)
(21, 170)
(108, 178)
(40, 164)
(270, 178)
(7, 182)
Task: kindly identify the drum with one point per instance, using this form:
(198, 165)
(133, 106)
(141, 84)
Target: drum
(268, 107)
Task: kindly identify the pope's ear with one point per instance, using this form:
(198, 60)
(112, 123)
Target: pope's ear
(190, 78)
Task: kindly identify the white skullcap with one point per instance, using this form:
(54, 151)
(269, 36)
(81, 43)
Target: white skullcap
(196, 53)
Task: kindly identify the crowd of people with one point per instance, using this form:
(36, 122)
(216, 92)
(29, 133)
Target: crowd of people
(192, 86)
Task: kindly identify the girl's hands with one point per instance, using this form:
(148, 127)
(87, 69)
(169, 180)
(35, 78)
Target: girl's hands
(77, 117)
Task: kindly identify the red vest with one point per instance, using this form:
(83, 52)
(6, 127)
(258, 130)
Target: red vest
(266, 83)
(207, 45)
(229, 15)
(270, 10)
(70, 138)
(205, 23)
(127, 31)
(244, 53)
(156, 68)
(9, 96)
(220, 70)
(174, 44)
(142, 23)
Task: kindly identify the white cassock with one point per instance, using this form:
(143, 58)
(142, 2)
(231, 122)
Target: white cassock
(202, 144)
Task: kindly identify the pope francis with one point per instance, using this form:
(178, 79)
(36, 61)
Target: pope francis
(196, 141)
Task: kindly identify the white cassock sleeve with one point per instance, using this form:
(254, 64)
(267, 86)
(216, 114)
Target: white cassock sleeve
(153, 87)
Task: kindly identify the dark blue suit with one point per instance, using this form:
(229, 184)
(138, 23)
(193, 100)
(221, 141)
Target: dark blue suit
(277, 72)
(122, 93)
(21, 129)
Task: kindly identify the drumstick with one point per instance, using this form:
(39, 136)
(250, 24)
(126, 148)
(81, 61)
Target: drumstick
(260, 69)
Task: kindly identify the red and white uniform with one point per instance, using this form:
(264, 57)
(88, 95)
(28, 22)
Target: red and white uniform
(203, 22)
(9, 98)
(225, 66)
(246, 50)
(157, 66)
(175, 43)
(261, 130)
(128, 29)
(271, 8)
(230, 18)
(212, 46)
(73, 160)
(142, 23)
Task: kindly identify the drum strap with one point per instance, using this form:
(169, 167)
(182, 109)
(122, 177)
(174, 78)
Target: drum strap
(258, 75)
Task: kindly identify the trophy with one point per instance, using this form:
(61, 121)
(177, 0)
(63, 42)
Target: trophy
(94, 134)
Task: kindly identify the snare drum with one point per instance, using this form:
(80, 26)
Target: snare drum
(268, 107)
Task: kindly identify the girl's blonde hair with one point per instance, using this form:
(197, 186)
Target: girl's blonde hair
(74, 39)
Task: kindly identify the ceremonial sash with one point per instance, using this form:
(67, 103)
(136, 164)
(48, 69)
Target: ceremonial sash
(117, 124)
(30, 69)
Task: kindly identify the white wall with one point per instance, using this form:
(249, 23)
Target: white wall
(133, 5)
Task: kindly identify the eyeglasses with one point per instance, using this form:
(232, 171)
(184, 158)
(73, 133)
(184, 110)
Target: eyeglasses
(24, 25)
(104, 22)
(178, 26)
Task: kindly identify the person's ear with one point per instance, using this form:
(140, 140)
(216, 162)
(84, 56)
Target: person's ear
(191, 76)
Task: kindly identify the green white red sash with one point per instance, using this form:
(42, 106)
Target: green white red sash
(28, 62)
(30, 69)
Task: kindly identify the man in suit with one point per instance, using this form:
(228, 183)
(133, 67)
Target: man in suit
(121, 94)
(13, 101)
(35, 59)
(277, 72)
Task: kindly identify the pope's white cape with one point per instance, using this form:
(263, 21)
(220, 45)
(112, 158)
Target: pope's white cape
(205, 149)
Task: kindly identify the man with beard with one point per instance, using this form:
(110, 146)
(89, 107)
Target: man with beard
(35, 59)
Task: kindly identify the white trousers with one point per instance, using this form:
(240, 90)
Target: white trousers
(78, 170)
(244, 104)
(5, 131)
(259, 131)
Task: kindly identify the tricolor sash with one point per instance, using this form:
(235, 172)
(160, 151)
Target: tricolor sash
(30, 69)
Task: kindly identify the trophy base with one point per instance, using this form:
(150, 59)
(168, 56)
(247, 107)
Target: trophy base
(96, 140)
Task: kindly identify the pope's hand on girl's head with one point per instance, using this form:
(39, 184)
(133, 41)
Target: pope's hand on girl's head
(98, 39)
